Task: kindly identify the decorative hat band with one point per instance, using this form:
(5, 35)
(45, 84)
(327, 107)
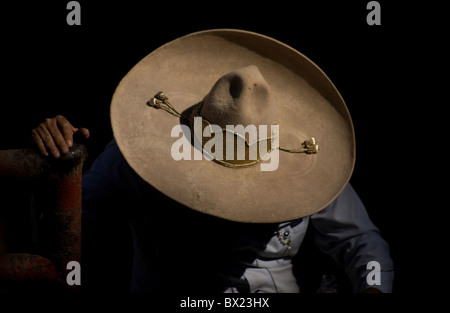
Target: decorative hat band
(244, 152)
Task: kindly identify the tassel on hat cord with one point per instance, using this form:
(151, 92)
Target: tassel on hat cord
(309, 146)
(161, 101)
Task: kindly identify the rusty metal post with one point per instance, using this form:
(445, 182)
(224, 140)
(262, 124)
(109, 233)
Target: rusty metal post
(64, 177)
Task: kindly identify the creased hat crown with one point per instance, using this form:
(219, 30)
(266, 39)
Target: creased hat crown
(241, 97)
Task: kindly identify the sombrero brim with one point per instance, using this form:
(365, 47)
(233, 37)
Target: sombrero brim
(308, 105)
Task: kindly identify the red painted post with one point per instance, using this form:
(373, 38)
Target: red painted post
(64, 177)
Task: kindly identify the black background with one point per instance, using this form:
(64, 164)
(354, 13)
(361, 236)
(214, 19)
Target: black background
(49, 68)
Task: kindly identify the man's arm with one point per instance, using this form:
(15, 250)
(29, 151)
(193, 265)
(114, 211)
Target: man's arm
(345, 231)
(106, 240)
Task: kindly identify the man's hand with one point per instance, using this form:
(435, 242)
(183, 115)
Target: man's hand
(55, 136)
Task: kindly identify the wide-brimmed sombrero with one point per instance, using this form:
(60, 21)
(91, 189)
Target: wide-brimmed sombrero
(235, 77)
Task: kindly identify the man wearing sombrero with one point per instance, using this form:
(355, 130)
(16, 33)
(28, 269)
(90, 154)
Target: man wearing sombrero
(228, 144)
